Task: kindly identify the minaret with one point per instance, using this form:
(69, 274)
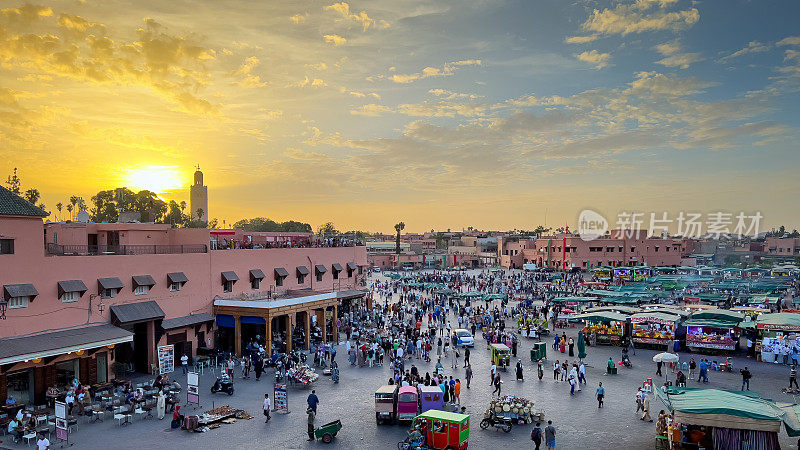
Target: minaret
(198, 197)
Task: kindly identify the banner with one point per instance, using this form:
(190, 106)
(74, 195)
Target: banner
(192, 389)
(166, 358)
(61, 421)
(281, 398)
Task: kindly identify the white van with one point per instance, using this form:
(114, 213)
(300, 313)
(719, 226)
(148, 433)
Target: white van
(465, 337)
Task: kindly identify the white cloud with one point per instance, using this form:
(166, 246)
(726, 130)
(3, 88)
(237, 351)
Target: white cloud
(581, 39)
(446, 70)
(343, 8)
(334, 39)
(595, 58)
(299, 18)
(791, 40)
(640, 16)
(751, 47)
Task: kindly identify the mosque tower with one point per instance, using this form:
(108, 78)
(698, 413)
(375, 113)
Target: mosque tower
(198, 197)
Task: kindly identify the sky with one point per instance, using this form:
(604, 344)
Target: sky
(443, 114)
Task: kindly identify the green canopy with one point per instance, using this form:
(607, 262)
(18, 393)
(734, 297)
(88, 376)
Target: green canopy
(445, 291)
(600, 316)
(756, 270)
(720, 408)
(471, 294)
(713, 323)
(574, 299)
(719, 314)
(393, 275)
(616, 308)
(779, 321)
(762, 298)
(653, 316)
(488, 297)
(622, 300)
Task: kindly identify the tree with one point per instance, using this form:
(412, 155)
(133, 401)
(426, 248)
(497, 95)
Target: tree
(200, 213)
(59, 207)
(327, 229)
(440, 242)
(398, 228)
(175, 215)
(69, 210)
(540, 230)
(32, 196)
(14, 182)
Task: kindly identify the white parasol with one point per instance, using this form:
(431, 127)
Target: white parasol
(666, 357)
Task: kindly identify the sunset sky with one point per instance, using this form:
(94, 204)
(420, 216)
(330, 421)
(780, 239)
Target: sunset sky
(444, 114)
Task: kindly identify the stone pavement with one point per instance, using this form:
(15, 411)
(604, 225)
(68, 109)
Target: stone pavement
(578, 421)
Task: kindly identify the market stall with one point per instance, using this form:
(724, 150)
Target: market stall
(654, 328)
(778, 332)
(603, 327)
(713, 329)
(301, 375)
(713, 418)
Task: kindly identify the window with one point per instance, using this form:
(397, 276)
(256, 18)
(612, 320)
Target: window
(301, 278)
(141, 290)
(227, 286)
(174, 287)
(18, 302)
(108, 293)
(633, 249)
(69, 297)
(319, 276)
(6, 246)
(279, 281)
(255, 283)
(335, 275)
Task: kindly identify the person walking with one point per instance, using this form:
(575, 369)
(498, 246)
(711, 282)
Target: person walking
(746, 375)
(550, 435)
(639, 399)
(703, 371)
(793, 377)
(311, 415)
(466, 356)
(267, 406)
(582, 373)
(573, 380)
(457, 391)
(536, 434)
(692, 367)
(540, 369)
(601, 393)
(468, 374)
(313, 401)
(497, 383)
(161, 405)
(571, 347)
(556, 369)
(658, 367)
(646, 409)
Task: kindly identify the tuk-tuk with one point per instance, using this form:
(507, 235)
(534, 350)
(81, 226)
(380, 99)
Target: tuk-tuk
(501, 356)
(444, 429)
(407, 403)
(384, 404)
(431, 397)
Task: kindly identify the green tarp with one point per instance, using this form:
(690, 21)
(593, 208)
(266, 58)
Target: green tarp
(779, 321)
(719, 314)
(600, 316)
(495, 297)
(711, 323)
(574, 299)
(471, 294)
(701, 402)
(622, 300)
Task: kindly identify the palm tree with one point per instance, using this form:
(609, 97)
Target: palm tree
(73, 200)
(399, 227)
(59, 206)
(69, 210)
(183, 206)
(199, 213)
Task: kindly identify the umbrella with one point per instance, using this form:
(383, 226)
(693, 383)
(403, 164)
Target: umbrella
(581, 346)
(567, 310)
(665, 357)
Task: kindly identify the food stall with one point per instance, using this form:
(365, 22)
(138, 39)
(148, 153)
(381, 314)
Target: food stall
(603, 327)
(777, 329)
(623, 273)
(714, 418)
(604, 273)
(642, 273)
(654, 328)
(713, 329)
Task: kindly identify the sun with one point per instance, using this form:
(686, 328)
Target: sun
(158, 179)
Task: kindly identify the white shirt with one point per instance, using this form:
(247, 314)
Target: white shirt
(267, 404)
(43, 444)
(184, 359)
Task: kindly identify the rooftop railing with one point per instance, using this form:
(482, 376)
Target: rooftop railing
(94, 250)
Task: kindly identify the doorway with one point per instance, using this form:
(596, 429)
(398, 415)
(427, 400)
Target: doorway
(140, 362)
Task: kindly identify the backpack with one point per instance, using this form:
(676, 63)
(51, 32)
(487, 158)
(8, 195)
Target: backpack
(536, 434)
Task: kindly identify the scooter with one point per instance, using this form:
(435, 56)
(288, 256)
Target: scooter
(503, 423)
(223, 384)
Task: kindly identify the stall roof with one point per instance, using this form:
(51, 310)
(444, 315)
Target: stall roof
(651, 316)
(779, 321)
(617, 308)
(448, 416)
(719, 314)
(601, 316)
(574, 299)
(185, 321)
(720, 408)
(713, 323)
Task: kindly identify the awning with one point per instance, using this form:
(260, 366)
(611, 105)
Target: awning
(131, 313)
(17, 349)
(280, 272)
(186, 321)
(20, 290)
(253, 320)
(320, 268)
(225, 320)
(302, 270)
(352, 266)
(109, 283)
(143, 280)
(257, 274)
(230, 276)
(351, 293)
(71, 286)
(177, 277)
(337, 267)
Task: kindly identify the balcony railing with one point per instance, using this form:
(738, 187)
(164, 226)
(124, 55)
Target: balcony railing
(91, 250)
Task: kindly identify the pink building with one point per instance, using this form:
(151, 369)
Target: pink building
(568, 251)
(782, 246)
(79, 298)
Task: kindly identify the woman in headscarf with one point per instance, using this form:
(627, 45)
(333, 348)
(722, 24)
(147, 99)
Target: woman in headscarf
(519, 370)
(176, 417)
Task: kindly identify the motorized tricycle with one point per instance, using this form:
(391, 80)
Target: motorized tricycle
(501, 356)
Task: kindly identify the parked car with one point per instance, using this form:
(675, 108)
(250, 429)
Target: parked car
(465, 338)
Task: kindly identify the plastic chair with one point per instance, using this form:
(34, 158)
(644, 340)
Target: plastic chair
(29, 437)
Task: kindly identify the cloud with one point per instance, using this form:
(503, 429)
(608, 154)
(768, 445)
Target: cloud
(26, 14)
(371, 110)
(581, 39)
(751, 47)
(639, 17)
(298, 18)
(343, 8)
(681, 60)
(595, 58)
(446, 70)
(312, 82)
(334, 39)
(791, 40)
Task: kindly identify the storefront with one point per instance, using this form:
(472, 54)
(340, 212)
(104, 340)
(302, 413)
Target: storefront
(603, 327)
(31, 364)
(713, 329)
(654, 328)
(778, 334)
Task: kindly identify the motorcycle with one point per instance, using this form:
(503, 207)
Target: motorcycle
(626, 361)
(503, 423)
(223, 384)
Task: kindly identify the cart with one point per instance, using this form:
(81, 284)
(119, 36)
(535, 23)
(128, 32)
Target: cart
(328, 431)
